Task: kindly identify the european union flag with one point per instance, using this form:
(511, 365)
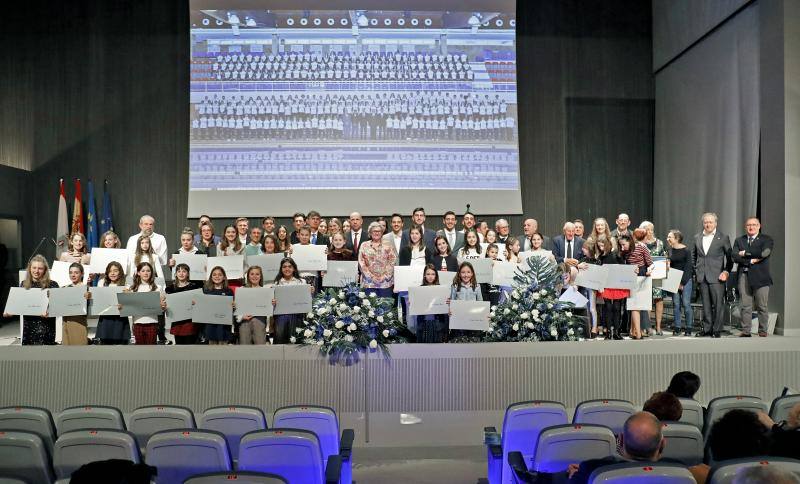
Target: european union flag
(106, 223)
(91, 219)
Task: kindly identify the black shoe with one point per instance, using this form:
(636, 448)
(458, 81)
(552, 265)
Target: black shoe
(745, 335)
(688, 332)
(716, 335)
(618, 337)
(702, 334)
(676, 332)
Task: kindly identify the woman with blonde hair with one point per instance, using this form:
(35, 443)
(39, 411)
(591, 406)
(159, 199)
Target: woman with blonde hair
(76, 251)
(37, 330)
(657, 249)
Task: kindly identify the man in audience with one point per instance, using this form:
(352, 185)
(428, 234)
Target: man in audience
(785, 435)
(242, 225)
(751, 251)
(157, 241)
(397, 238)
(268, 225)
(641, 441)
(567, 247)
(665, 406)
(454, 237)
(314, 219)
(501, 228)
(712, 265)
(357, 235)
(684, 384)
(623, 222)
(298, 220)
(530, 227)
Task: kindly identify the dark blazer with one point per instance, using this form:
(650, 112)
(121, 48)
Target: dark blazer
(404, 257)
(450, 260)
(210, 251)
(459, 239)
(361, 239)
(547, 243)
(761, 248)
(322, 239)
(293, 239)
(559, 244)
(708, 267)
(428, 236)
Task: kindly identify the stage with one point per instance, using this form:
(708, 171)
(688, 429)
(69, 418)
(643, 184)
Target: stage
(429, 395)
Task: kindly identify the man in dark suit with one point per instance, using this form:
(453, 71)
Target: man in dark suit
(357, 235)
(529, 227)
(428, 235)
(751, 251)
(298, 220)
(397, 237)
(641, 439)
(454, 238)
(712, 265)
(567, 246)
(502, 228)
(314, 219)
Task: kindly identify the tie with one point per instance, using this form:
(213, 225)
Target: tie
(529, 245)
(450, 240)
(749, 241)
(313, 239)
(355, 241)
(569, 249)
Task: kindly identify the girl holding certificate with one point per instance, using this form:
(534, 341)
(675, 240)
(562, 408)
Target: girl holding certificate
(338, 250)
(471, 248)
(304, 238)
(74, 332)
(253, 329)
(37, 330)
(512, 250)
(77, 250)
(612, 298)
(185, 332)
(491, 292)
(230, 243)
(145, 328)
(637, 255)
(443, 260)
(537, 241)
(187, 245)
(465, 286)
(285, 324)
(217, 285)
(113, 330)
(431, 328)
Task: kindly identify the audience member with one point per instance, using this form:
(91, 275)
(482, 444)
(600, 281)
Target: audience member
(765, 475)
(684, 384)
(665, 406)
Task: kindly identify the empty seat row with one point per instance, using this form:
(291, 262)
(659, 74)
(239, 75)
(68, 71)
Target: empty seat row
(307, 434)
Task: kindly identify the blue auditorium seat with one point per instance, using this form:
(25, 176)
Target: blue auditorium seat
(233, 422)
(180, 454)
(294, 454)
(79, 447)
(647, 472)
(609, 412)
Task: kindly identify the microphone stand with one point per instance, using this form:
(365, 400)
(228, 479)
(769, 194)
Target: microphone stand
(38, 246)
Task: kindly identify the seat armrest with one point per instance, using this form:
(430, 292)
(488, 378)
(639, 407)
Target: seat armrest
(521, 473)
(489, 429)
(333, 469)
(346, 444)
(495, 450)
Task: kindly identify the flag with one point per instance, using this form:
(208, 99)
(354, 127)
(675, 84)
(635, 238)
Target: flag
(91, 219)
(62, 228)
(77, 209)
(106, 223)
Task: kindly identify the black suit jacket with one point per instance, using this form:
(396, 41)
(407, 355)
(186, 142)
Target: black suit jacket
(404, 257)
(428, 236)
(761, 248)
(361, 239)
(559, 244)
(451, 262)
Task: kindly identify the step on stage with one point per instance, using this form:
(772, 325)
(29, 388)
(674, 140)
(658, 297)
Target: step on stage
(431, 395)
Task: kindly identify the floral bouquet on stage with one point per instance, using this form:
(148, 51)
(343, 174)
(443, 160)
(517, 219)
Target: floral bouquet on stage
(346, 321)
(532, 311)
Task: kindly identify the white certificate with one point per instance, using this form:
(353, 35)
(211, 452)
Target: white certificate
(659, 268)
(255, 301)
(101, 258)
(483, 269)
(340, 272)
(446, 277)
(270, 264)
(621, 276)
(407, 276)
(501, 249)
(573, 296)
(641, 297)
(59, 272)
(310, 257)
(673, 280)
(67, 301)
(292, 299)
(503, 273)
(197, 265)
(593, 277)
(428, 300)
(232, 264)
(104, 300)
(179, 305)
(472, 315)
(26, 302)
(140, 303)
(212, 309)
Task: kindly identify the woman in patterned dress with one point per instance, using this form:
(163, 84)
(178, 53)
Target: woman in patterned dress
(656, 248)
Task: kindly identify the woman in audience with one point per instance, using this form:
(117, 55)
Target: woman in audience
(431, 328)
(283, 239)
(208, 241)
(443, 259)
(376, 261)
(230, 243)
(217, 285)
(334, 226)
(472, 247)
(77, 250)
(185, 331)
(74, 331)
(684, 384)
(113, 330)
(145, 328)
(636, 254)
(37, 330)
(681, 259)
(656, 248)
(285, 324)
(415, 253)
(253, 329)
(612, 297)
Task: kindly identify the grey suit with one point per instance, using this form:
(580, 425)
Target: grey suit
(707, 269)
(459, 239)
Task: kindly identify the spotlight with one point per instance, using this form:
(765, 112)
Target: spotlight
(414, 22)
(387, 22)
(499, 22)
(290, 21)
(428, 22)
(512, 22)
(206, 21)
(373, 21)
(401, 21)
(303, 21)
(343, 21)
(331, 22)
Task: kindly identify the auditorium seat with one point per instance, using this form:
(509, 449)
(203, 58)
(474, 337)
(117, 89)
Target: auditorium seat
(684, 442)
(232, 422)
(89, 417)
(692, 412)
(522, 423)
(721, 405)
(779, 410)
(519, 470)
(30, 419)
(180, 454)
(608, 412)
(562, 445)
(325, 425)
(79, 447)
(241, 477)
(145, 421)
(24, 455)
(635, 472)
(723, 472)
(294, 454)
